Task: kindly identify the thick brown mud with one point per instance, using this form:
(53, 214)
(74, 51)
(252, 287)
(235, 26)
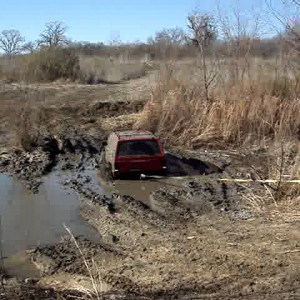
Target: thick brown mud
(177, 237)
(35, 208)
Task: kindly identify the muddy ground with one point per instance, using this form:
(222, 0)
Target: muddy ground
(191, 237)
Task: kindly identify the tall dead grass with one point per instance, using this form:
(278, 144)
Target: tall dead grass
(27, 118)
(97, 69)
(46, 65)
(240, 112)
(52, 64)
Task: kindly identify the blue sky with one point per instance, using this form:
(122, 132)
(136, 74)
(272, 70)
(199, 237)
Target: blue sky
(101, 20)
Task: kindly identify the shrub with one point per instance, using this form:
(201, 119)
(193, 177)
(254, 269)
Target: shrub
(96, 69)
(52, 63)
(10, 68)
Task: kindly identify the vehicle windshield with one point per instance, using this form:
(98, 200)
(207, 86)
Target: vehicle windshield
(139, 147)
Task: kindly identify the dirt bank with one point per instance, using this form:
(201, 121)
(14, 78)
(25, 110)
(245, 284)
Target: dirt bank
(55, 108)
(186, 236)
(48, 152)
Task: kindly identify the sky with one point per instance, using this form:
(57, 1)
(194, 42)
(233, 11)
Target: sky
(127, 20)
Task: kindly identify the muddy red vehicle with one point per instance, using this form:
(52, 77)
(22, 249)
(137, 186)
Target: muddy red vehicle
(134, 152)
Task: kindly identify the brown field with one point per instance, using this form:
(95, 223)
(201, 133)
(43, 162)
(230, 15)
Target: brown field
(250, 124)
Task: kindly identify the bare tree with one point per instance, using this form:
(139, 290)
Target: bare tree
(292, 36)
(203, 32)
(170, 36)
(203, 29)
(292, 27)
(239, 41)
(30, 47)
(167, 42)
(54, 34)
(11, 41)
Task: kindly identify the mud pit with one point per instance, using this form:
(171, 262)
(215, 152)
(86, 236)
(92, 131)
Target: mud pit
(170, 238)
(28, 219)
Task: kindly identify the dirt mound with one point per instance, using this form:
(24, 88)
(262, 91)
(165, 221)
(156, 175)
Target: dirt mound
(75, 142)
(66, 257)
(138, 208)
(28, 167)
(179, 165)
(112, 108)
(88, 192)
(49, 152)
(22, 291)
(197, 197)
(172, 204)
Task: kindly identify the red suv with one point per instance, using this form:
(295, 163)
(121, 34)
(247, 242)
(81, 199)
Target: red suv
(134, 151)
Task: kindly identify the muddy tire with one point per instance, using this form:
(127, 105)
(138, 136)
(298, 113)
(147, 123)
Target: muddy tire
(105, 168)
(163, 173)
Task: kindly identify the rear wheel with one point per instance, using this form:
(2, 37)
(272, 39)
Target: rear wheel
(105, 167)
(163, 173)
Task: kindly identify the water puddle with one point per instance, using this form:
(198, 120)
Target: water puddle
(29, 220)
(139, 189)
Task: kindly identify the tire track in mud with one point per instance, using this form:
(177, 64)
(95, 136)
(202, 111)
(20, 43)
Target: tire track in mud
(154, 242)
(158, 249)
(50, 152)
(126, 224)
(139, 231)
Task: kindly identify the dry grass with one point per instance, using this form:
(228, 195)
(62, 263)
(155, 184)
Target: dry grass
(10, 69)
(43, 66)
(95, 279)
(53, 64)
(24, 117)
(228, 254)
(240, 112)
(95, 69)
(122, 122)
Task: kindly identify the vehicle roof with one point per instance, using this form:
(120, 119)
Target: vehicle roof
(134, 135)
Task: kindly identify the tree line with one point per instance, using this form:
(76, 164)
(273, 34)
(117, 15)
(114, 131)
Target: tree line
(54, 34)
(203, 31)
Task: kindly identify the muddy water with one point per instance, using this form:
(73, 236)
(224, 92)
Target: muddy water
(28, 220)
(138, 189)
(141, 189)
